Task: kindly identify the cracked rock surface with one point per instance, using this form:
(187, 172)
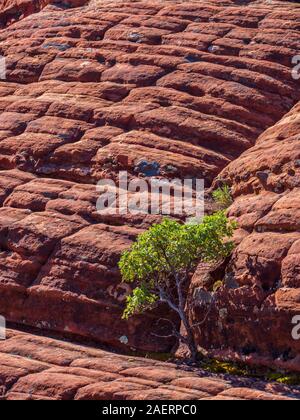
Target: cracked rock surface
(197, 89)
(39, 368)
(252, 317)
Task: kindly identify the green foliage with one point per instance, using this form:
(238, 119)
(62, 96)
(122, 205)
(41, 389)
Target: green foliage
(217, 366)
(222, 196)
(286, 379)
(259, 372)
(169, 251)
(140, 300)
(217, 285)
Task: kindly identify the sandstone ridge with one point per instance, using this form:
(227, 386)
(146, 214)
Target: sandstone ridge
(107, 86)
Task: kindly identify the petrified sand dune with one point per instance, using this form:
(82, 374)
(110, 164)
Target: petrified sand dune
(97, 87)
(39, 368)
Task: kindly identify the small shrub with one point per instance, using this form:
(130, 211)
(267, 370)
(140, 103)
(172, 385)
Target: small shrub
(244, 370)
(222, 196)
(217, 285)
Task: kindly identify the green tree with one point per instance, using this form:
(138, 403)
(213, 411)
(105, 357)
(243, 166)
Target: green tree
(162, 259)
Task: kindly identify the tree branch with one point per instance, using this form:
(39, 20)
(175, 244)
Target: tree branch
(206, 316)
(174, 333)
(164, 298)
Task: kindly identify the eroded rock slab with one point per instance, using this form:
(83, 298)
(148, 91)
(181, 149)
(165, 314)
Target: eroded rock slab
(39, 368)
(96, 88)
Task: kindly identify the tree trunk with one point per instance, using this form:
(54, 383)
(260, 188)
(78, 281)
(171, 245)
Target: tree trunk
(189, 332)
(190, 341)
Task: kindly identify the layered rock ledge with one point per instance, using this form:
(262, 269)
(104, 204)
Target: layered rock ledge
(252, 315)
(106, 86)
(39, 368)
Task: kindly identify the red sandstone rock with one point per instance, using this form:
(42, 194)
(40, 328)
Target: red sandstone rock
(97, 89)
(13, 10)
(38, 368)
(253, 312)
